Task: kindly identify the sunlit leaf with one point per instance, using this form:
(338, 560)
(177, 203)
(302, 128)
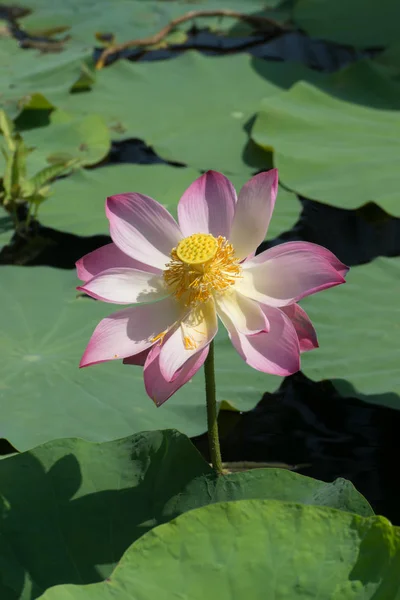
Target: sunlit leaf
(358, 332)
(256, 549)
(31, 78)
(206, 109)
(82, 140)
(332, 151)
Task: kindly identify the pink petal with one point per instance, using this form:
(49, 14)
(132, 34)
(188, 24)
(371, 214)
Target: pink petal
(276, 352)
(287, 274)
(142, 228)
(245, 314)
(157, 387)
(126, 286)
(207, 206)
(294, 247)
(199, 327)
(303, 326)
(253, 212)
(130, 331)
(107, 257)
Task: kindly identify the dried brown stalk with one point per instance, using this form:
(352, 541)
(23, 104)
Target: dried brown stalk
(157, 37)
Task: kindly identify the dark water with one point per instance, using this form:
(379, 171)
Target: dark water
(304, 423)
(309, 424)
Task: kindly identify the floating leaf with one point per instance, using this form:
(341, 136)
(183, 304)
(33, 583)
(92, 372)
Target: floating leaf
(332, 151)
(256, 549)
(207, 106)
(358, 332)
(356, 22)
(77, 506)
(84, 140)
(33, 79)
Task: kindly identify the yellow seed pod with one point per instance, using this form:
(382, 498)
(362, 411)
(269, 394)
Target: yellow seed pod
(197, 248)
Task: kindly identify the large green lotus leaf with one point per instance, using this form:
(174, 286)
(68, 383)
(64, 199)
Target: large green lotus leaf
(330, 150)
(207, 106)
(359, 23)
(206, 113)
(86, 140)
(45, 326)
(358, 332)
(37, 80)
(77, 202)
(70, 508)
(366, 82)
(256, 549)
(125, 19)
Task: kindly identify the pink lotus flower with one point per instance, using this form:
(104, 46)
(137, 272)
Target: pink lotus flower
(179, 278)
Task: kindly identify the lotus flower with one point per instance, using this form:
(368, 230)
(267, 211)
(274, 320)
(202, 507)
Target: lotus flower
(178, 279)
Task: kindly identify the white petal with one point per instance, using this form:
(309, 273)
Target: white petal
(245, 313)
(142, 228)
(287, 277)
(107, 257)
(126, 286)
(193, 333)
(130, 331)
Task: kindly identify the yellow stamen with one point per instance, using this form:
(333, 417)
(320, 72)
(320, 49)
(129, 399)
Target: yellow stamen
(200, 267)
(159, 337)
(189, 343)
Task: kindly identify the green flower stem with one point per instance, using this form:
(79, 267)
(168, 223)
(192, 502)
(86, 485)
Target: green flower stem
(213, 439)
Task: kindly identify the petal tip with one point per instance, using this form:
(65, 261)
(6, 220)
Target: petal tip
(83, 363)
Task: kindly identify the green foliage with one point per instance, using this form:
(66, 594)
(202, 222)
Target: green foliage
(82, 140)
(358, 335)
(362, 23)
(256, 549)
(16, 187)
(31, 79)
(76, 506)
(207, 106)
(330, 150)
(6, 227)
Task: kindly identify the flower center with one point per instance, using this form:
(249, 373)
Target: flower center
(200, 267)
(197, 248)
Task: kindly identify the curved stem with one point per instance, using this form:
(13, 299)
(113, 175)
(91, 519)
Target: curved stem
(213, 438)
